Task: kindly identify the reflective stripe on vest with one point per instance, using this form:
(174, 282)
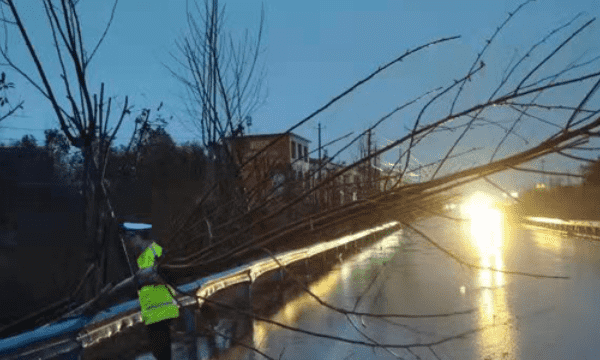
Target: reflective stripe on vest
(165, 303)
(160, 313)
(154, 251)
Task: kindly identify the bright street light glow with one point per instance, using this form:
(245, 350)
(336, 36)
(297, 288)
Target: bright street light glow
(485, 222)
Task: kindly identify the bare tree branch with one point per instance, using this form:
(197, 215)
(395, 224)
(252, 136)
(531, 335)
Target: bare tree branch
(112, 15)
(546, 172)
(12, 111)
(554, 52)
(485, 47)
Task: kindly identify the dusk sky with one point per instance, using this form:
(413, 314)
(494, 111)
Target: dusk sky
(315, 49)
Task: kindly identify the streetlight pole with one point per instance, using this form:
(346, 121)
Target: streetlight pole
(543, 175)
(319, 152)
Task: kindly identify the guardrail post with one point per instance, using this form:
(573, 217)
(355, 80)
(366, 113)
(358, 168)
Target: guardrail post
(209, 319)
(236, 325)
(247, 326)
(189, 320)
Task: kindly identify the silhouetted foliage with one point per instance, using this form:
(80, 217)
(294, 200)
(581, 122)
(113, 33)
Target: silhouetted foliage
(27, 141)
(56, 143)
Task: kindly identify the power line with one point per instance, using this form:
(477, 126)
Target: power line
(20, 128)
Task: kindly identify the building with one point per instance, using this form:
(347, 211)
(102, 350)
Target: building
(389, 177)
(343, 189)
(284, 162)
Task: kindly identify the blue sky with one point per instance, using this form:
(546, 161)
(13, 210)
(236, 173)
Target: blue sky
(313, 51)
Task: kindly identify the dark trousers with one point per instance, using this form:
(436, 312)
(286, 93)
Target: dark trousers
(159, 335)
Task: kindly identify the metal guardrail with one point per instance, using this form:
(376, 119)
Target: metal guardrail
(65, 336)
(579, 227)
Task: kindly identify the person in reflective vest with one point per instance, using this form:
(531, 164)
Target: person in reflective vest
(157, 305)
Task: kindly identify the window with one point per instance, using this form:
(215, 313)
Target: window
(306, 153)
(293, 149)
(300, 151)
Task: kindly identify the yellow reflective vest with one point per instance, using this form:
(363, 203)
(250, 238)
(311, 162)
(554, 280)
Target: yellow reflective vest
(156, 301)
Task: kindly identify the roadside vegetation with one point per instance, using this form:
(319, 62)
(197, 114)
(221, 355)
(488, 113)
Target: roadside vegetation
(568, 202)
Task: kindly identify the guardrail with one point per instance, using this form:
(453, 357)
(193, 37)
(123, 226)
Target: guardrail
(71, 334)
(578, 227)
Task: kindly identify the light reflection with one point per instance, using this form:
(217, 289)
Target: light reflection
(324, 288)
(549, 240)
(346, 278)
(486, 230)
(292, 310)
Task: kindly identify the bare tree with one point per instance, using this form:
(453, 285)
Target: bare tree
(83, 116)
(222, 76)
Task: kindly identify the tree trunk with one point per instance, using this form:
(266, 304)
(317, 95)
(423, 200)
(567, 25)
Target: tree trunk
(94, 216)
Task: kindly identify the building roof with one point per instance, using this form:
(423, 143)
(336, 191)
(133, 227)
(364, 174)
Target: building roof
(326, 162)
(269, 136)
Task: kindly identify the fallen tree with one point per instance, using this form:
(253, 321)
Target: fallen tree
(407, 203)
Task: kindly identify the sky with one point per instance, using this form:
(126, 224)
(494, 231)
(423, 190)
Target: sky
(314, 50)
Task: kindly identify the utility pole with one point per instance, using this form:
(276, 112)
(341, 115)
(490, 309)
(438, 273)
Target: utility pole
(370, 162)
(319, 152)
(543, 175)
(318, 194)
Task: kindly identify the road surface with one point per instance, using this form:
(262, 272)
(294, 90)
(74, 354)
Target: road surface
(522, 317)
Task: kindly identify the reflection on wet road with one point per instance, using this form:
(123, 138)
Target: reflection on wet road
(519, 317)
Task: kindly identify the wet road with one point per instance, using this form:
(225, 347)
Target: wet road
(519, 317)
